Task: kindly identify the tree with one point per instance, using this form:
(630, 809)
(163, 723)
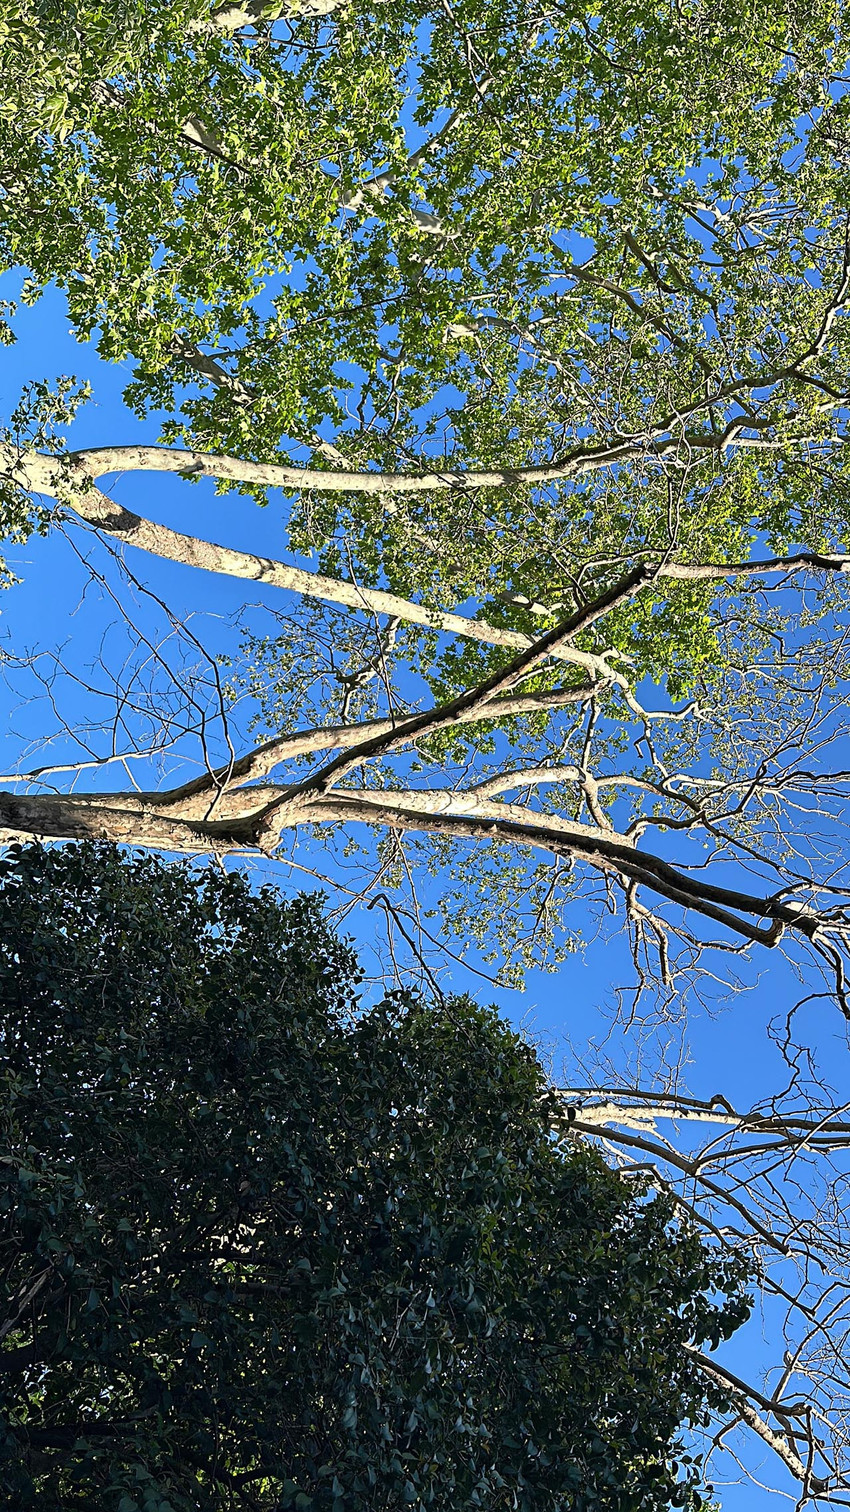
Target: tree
(264, 1249)
(530, 325)
(642, 316)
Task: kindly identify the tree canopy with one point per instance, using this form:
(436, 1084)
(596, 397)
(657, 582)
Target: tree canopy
(263, 1248)
(534, 318)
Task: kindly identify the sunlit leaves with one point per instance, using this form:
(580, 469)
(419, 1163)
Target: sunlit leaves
(37, 420)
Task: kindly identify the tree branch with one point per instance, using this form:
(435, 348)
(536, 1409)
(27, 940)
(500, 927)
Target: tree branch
(75, 490)
(655, 445)
(442, 716)
(264, 758)
(813, 1484)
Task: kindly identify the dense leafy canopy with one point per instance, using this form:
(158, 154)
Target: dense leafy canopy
(486, 233)
(264, 1249)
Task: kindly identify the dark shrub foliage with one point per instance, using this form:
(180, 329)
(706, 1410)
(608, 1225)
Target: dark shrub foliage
(262, 1250)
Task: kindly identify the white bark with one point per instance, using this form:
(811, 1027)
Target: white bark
(581, 459)
(263, 760)
(72, 485)
(460, 805)
(813, 1485)
(130, 818)
(88, 465)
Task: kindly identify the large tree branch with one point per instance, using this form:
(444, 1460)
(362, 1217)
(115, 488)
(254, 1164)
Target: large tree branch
(129, 818)
(655, 444)
(443, 716)
(71, 479)
(123, 818)
(265, 758)
(721, 904)
(372, 802)
(822, 1128)
(91, 504)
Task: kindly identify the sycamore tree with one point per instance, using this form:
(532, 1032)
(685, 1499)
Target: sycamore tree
(528, 322)
(535, 320)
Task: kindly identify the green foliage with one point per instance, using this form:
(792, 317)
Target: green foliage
(641, 225)
(37, 420)
(263, 1248)
(185, 184)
